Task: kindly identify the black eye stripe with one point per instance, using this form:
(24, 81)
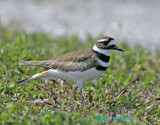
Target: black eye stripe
(110, 47)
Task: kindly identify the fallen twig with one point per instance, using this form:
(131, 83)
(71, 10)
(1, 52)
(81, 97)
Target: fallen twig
(42, 110)
(125, 88)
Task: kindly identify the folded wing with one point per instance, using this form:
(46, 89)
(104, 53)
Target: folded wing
(80, 60)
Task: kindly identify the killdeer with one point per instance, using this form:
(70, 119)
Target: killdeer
(78, 67)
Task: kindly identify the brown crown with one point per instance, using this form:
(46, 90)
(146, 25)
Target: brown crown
(107, 38)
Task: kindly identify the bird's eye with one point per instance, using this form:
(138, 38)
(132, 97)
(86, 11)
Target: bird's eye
(105, 43)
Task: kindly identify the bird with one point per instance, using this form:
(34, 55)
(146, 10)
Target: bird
(78, 67)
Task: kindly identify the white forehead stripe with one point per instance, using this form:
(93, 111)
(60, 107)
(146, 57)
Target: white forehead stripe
(101, 40)
(112, 42)
(103, 51)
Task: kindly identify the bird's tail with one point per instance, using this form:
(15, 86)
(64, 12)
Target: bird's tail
(34, 63)
(36, 76)
(24, 80)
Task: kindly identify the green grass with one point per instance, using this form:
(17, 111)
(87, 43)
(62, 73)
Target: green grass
(35, 102)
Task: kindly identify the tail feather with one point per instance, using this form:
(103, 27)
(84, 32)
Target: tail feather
(33, 63)
(23, 80)
(36, 76)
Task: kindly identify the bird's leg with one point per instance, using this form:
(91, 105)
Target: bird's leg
(74, 93)
(80, 86)
(82, 98)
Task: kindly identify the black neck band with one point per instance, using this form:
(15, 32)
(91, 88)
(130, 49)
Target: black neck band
(102, 57)
(101, 68)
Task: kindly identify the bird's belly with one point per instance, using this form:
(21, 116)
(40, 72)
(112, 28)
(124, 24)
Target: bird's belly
(75, 76)
(85, 76)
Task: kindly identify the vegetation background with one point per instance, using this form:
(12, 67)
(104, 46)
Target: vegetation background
(129, 87)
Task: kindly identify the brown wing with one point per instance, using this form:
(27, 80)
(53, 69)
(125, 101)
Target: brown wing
(80, 60)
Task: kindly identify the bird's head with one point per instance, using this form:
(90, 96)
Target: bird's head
(107, 43)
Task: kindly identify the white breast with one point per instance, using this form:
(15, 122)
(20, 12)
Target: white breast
(76, 76)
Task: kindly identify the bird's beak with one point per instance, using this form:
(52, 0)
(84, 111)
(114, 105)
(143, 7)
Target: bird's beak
(117, 48)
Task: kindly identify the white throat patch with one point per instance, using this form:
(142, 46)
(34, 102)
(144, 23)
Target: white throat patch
(103, 51)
